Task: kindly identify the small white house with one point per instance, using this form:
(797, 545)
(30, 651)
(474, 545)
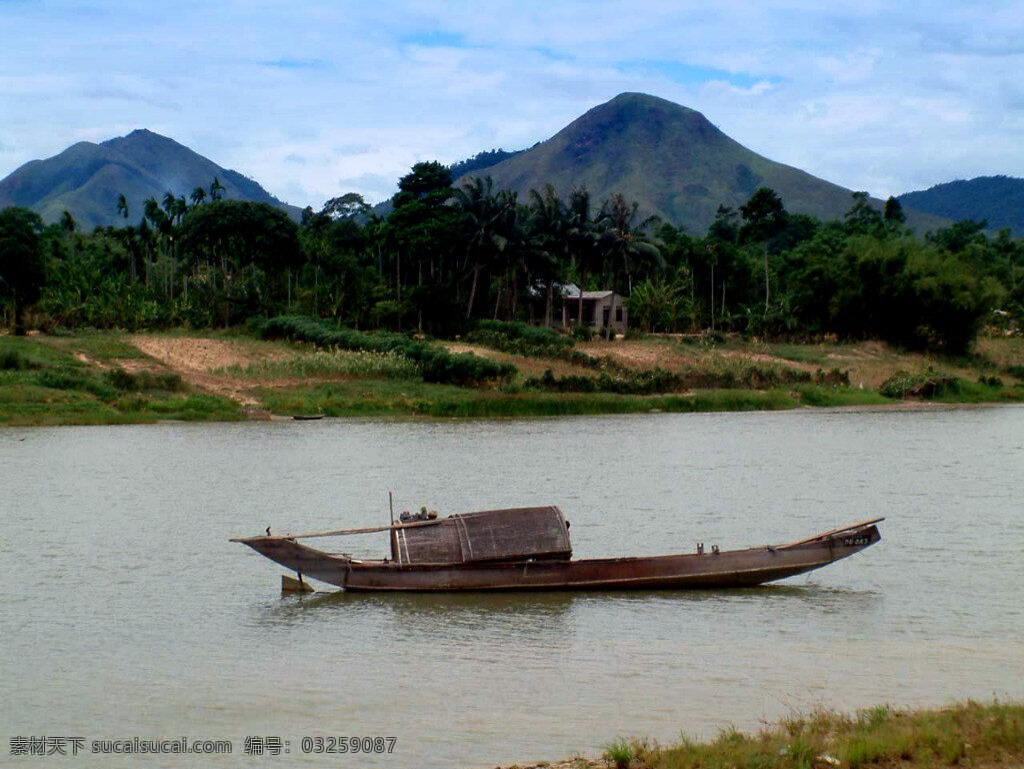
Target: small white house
(600, 309)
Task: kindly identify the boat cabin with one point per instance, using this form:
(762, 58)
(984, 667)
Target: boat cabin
(516, 534)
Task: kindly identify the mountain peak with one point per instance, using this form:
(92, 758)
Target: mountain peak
(87, 178)
(142, 136)
(668, 158)
(639, 99)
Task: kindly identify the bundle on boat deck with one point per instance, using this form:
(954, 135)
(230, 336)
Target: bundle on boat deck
(528, 548)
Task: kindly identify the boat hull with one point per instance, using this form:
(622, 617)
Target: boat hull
(735, 568)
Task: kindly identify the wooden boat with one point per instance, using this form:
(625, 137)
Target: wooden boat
(529, 549)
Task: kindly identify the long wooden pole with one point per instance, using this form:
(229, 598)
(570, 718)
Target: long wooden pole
(342, 532)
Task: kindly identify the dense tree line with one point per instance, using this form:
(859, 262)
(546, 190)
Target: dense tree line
(447, 257)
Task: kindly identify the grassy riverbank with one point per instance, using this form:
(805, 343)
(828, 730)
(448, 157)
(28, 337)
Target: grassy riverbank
(111, 377)
(968, 734)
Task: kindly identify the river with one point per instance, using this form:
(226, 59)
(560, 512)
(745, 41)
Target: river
(126, 612)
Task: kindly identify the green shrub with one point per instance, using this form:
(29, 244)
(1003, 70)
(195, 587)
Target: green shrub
(62, 379)
(435, 364)
(622, 383)
(833, 377)
(582, 333)
(620, 752)
(141, 381)
(929, 384)
(520, 338)
(12, 360)
(727, 372)
(70, 378)
(990, 381)
(1017, 371)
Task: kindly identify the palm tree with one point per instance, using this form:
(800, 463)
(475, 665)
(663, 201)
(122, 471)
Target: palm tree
(67, 221)
(548, 226)
(122, 205)
(582, 240)
(625, 241)
(198, 196)
(483, 211)
(216, 189)
(180, 209)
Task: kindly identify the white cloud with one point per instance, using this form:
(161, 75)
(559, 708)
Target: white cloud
(869, 94)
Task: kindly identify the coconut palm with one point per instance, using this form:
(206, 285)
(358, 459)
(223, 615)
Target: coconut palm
(548, 225)
(216, 189)
(122, 205)
(582, 240)
(625, 241)
(485, 213)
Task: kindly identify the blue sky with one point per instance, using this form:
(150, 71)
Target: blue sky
(317, 98)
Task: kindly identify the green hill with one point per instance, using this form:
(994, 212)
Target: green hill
(87, 178)
(997, 199)
(672, 161)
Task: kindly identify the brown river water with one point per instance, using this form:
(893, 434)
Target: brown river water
(125, 611)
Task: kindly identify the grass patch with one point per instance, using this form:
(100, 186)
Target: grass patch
(832, 397)
(144, 381)
(49, 386)
(981, 392)
(324, 363)
(412, 398)
(733, 371)
(800, 353)
(967, 733)
(620, 752)
(434, 363)
(623, 381)
(103, 346)
(520, 338)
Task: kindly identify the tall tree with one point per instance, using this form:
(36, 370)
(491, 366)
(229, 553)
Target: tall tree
(626, 241)
(22, 267)
(764, 217)
(893, 213)
(483, 212)
(422, 231)
(122, 206)
(548, 225)
(582, 237)
(348, 206)
(216, 189)
(67, 222)
(863, 218)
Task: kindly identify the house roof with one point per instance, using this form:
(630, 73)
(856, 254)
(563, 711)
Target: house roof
(572, 292)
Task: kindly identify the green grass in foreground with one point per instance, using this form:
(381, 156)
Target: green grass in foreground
(412, 398)
(45, 385)
(967, 734)
(967, 391)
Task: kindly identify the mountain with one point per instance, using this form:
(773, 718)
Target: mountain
(86, 179)
(997, 199)
(672, 161)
